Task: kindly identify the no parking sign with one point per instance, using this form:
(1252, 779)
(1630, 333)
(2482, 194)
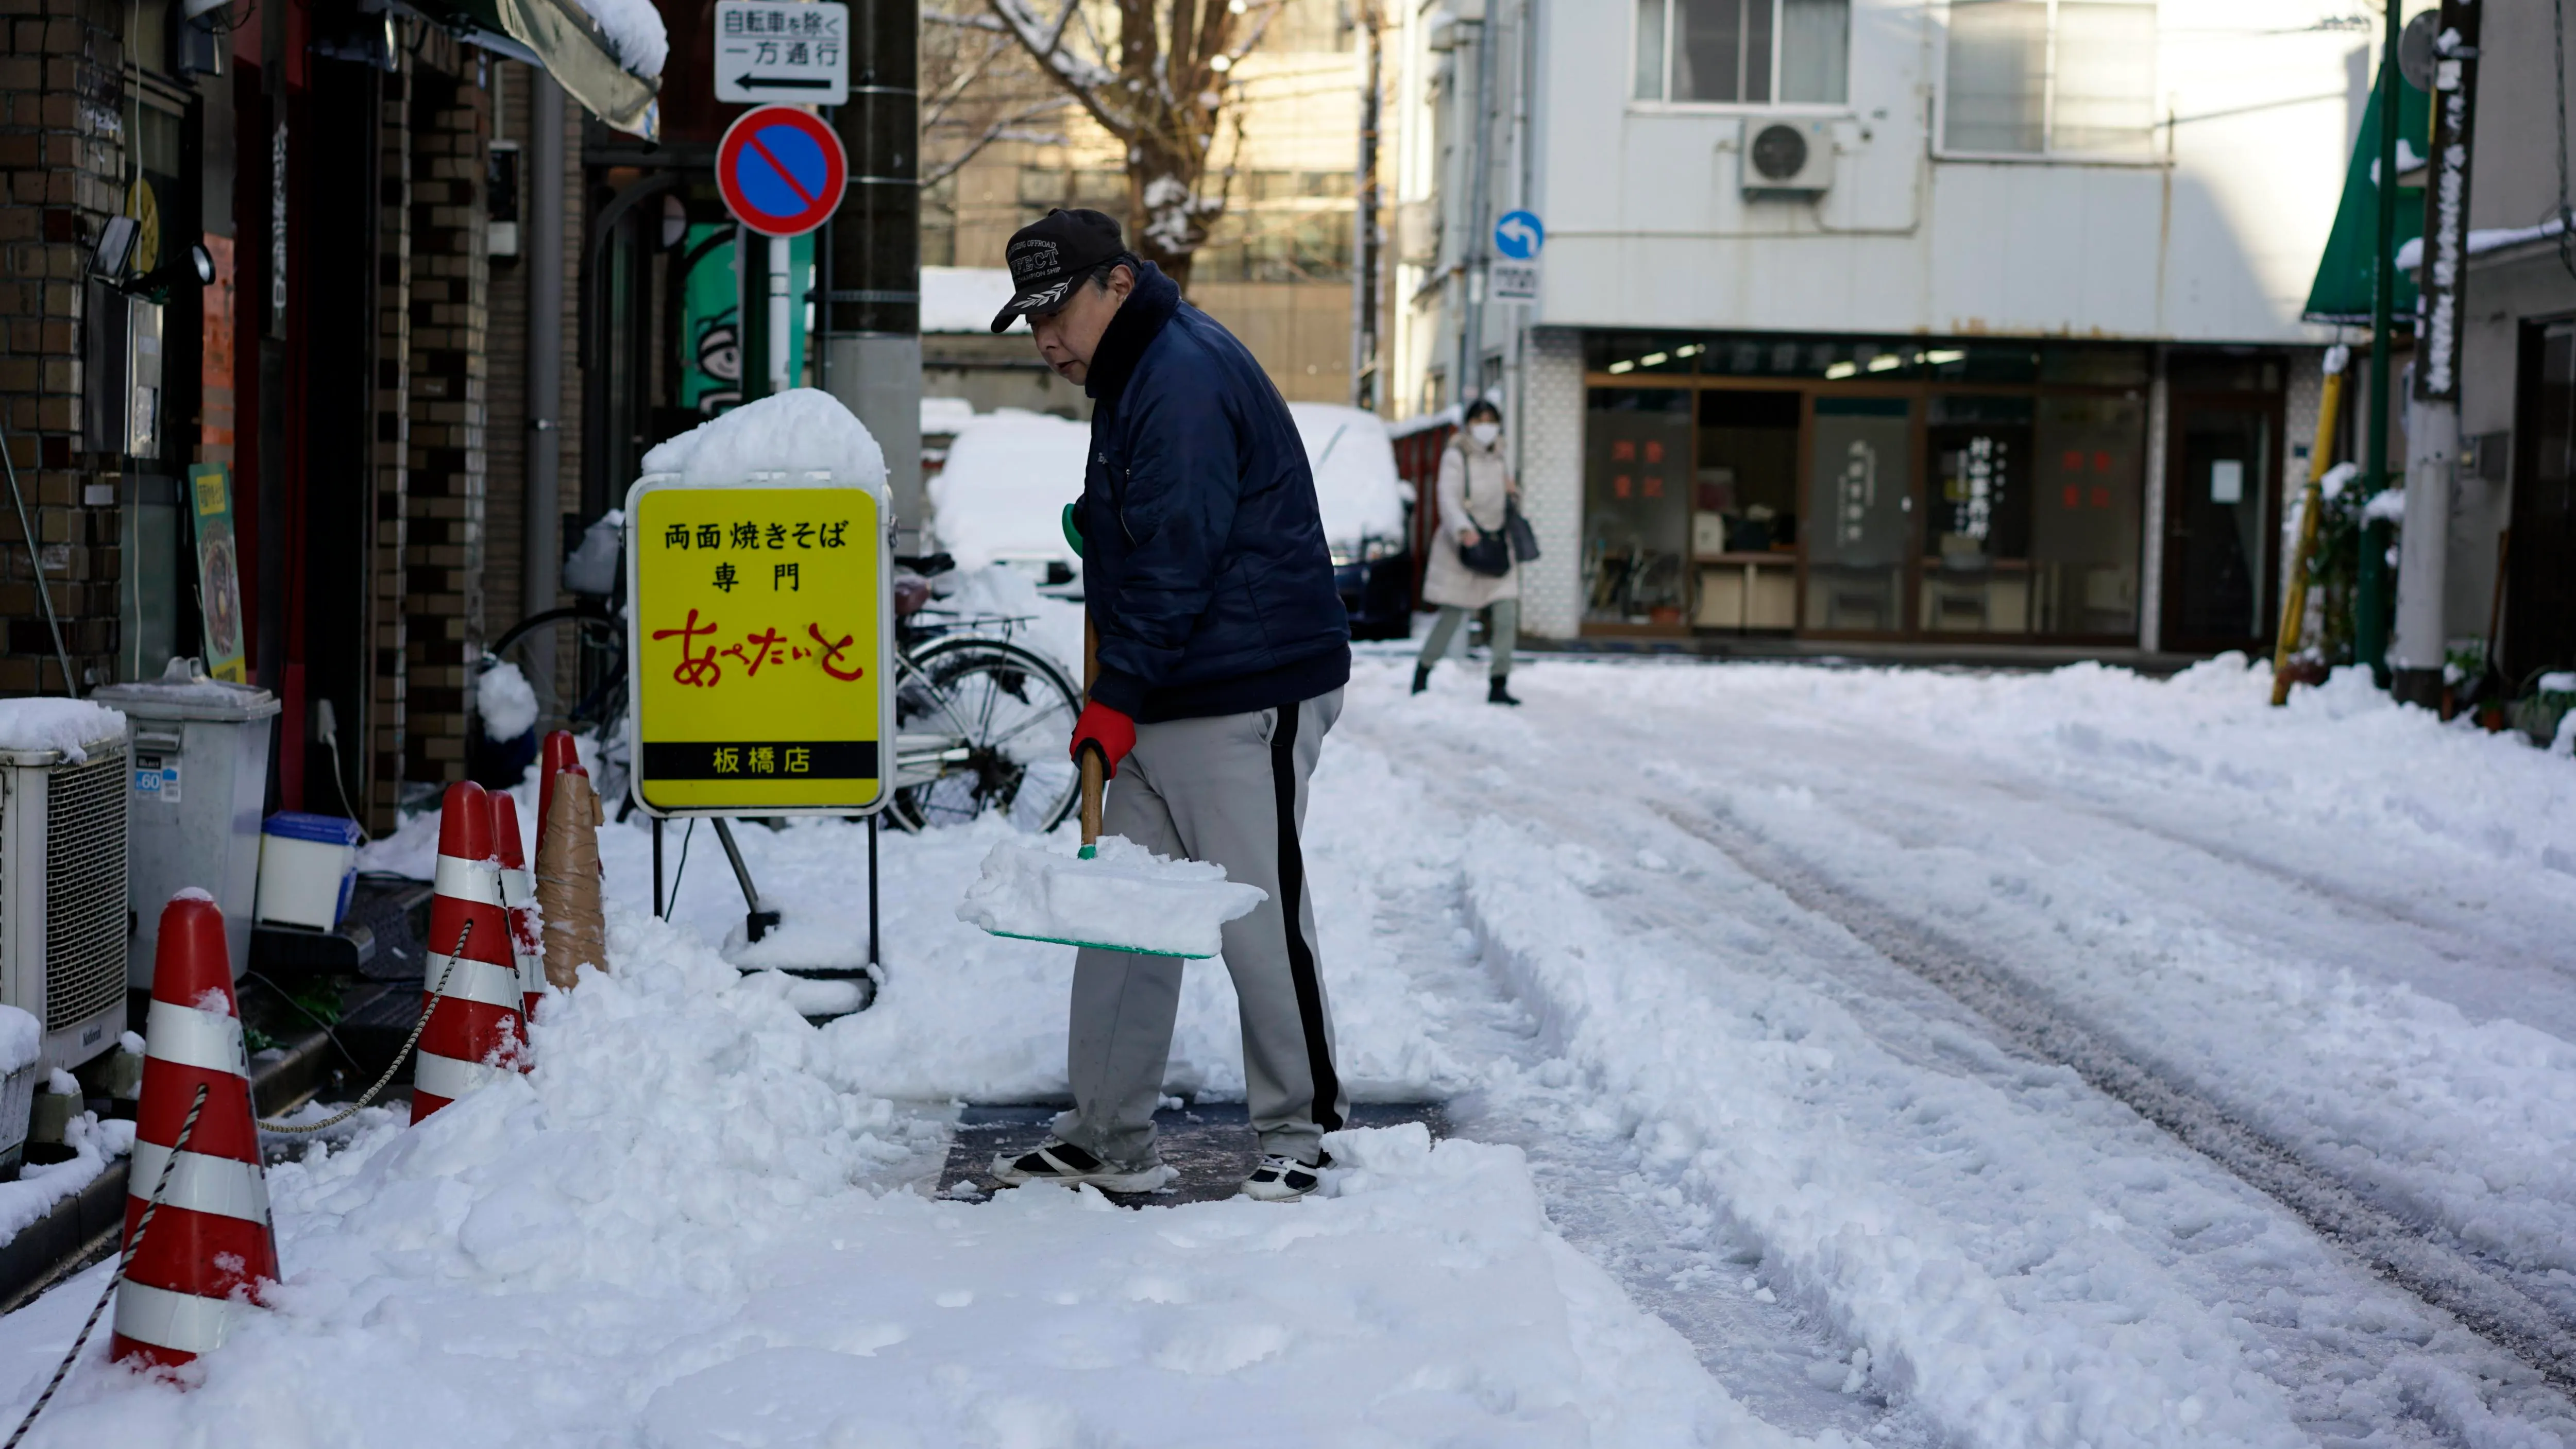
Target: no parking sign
(781, 170)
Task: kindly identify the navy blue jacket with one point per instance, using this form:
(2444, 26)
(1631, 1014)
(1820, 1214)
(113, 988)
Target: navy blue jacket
(1204, 565)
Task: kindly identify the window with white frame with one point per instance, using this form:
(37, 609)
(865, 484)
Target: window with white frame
(1744, 52)
(2051, 77)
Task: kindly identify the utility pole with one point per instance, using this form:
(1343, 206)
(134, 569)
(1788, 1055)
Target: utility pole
(870, 318)
(2370, 590)
(1471, 331)
(1364, 220)
(2433, 433)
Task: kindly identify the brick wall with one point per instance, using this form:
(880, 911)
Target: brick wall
(450, 309)
(392, 452)
(61, 154)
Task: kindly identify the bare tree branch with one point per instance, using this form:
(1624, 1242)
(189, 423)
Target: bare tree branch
(1005, 129)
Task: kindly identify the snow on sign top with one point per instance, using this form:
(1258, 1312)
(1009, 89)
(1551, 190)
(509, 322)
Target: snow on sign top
(783, 438)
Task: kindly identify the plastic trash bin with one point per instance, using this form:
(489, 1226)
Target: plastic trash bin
(308, 864)
(199, 748)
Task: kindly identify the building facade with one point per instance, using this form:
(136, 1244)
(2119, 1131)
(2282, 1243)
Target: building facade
(1862, 321)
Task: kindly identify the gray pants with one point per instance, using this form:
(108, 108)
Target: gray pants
(1231, 790)
(1504, 626)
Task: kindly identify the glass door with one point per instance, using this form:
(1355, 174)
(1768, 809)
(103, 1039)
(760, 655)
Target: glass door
(1861, 489)
(2220, 504)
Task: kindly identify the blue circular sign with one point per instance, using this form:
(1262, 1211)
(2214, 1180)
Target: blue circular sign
(781, 170)
(1518, 235)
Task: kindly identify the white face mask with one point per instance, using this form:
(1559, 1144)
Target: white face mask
(1485, 433)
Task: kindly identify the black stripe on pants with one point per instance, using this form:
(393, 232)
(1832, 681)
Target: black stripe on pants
(1292, 900)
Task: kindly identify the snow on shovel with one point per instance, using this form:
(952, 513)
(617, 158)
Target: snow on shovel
(1115, 895)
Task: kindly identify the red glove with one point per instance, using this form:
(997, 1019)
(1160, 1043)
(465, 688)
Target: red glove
(1107, 730)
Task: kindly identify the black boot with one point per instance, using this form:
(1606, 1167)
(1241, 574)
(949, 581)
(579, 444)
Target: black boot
(1421, 677)
(1495, 693)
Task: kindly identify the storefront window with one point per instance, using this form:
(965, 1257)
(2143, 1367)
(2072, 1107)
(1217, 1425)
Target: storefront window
(1877, 486)
(1976, 525)
(2087, 514)
(1860, 491)
(1638, 487)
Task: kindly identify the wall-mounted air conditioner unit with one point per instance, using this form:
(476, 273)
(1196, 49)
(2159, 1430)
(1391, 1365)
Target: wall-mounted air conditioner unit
(1787, 156)
(63, 919)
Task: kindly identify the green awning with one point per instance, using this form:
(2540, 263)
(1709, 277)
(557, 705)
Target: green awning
(2342, 290)
(561, 37)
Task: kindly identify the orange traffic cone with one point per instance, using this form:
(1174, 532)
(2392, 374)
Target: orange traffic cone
(209, 1237)
(474, 1024)
(519, 897)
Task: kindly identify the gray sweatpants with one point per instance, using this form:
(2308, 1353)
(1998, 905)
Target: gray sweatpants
(1504, 632)
(1231, 790)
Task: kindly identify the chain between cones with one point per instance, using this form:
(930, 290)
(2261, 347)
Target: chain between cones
(151, 1206)
(436, 995)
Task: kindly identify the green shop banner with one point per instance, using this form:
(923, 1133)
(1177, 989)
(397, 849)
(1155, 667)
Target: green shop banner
(711, 360)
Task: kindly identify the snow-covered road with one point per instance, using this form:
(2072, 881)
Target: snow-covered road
(1805, 1032)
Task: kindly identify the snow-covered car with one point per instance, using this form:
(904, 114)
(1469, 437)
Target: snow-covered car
(1001, 497)
(1364, 504)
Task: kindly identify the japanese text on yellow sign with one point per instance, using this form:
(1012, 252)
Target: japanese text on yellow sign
(760, 650)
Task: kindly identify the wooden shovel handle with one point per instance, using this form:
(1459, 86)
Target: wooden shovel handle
(1090, 760)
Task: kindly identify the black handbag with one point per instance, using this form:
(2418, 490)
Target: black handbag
(1524, 537)
(1490, 554)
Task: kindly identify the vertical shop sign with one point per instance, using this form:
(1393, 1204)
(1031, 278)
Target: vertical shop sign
(218, 570)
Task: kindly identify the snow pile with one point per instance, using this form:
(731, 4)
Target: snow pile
(675, 1233)
(61, 725)
(507, 702)
(634, 30)
(795, 433)
(40, 1186)
(943, 416)
(1354, 465)
(1125, 898)
(966, 299)
(1003, 492)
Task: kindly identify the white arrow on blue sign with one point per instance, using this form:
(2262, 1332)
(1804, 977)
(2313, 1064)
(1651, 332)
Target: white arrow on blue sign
(1519, 235)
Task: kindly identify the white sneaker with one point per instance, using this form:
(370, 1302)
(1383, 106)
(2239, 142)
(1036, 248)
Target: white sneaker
(1056, 1160)
(1281, 1178)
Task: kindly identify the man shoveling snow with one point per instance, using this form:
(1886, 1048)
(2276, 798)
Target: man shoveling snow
(1223, 648)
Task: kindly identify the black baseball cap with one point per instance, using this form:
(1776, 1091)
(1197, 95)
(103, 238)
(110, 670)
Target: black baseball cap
(1052, 253)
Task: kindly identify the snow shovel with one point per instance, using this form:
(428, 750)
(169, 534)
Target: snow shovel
(1113, 896)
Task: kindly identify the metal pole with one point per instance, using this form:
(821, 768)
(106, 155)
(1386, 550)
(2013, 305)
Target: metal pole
(1471, 332)
(873, 957)
(657, 867)
(1364, 228)
(756, 920)
(2422, 643)
(782, 371)
(2370, 591)
(541, 563)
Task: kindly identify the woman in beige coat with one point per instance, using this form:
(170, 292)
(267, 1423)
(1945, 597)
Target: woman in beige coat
(1475, 490)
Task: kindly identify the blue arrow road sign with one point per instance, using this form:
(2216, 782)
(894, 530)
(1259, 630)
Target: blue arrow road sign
(1519, 235)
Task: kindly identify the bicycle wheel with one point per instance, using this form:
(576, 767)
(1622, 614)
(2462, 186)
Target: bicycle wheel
(981, 725)
(574, 659)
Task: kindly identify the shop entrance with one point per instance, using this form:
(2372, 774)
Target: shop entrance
(2222, 511)
(1861, 489)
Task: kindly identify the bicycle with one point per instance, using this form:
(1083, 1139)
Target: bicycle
(980, 720)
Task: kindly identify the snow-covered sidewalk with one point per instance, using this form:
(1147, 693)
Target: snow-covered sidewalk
(1724, 1172)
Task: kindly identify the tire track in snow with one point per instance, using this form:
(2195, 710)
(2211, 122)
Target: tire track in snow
(2475, 1293)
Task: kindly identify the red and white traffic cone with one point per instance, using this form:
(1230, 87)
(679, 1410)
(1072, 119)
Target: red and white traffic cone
(474, 1023)
(560, 754)
(209, 1238)
(519, 898)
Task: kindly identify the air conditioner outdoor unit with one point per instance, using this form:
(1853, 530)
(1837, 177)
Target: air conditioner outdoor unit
(63, 919)
(1787, 155)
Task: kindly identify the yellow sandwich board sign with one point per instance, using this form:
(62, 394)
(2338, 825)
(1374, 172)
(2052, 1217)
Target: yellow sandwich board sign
(761, 636)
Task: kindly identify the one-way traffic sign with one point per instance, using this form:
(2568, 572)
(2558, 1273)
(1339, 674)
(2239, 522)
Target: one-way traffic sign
(796, 51)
